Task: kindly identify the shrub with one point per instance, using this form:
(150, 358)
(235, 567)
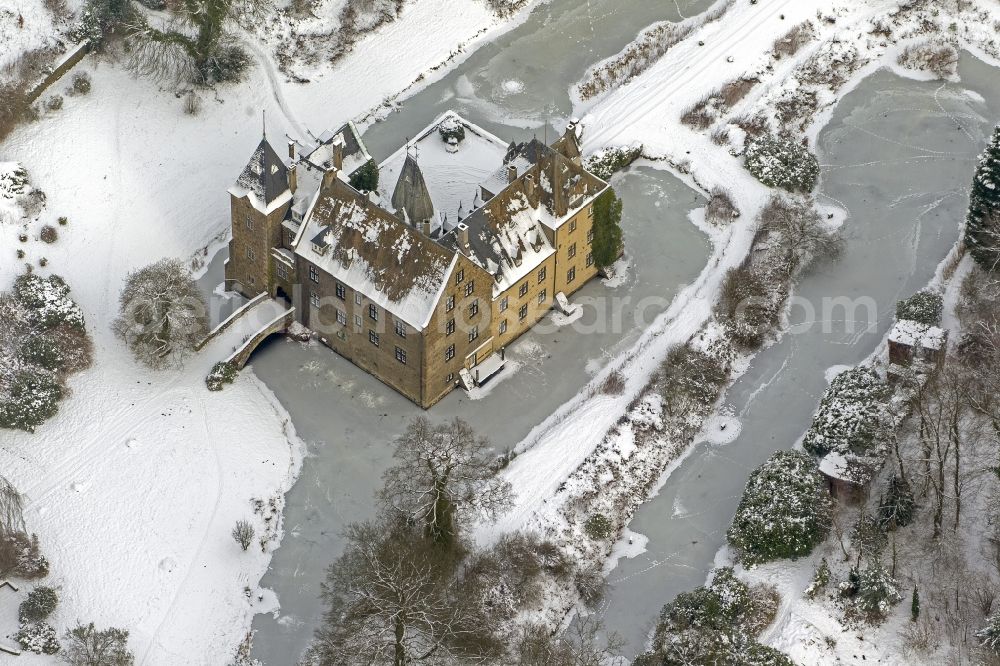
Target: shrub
(32, 399)
(39, 637)
(63, 221)
(54, 103)
(86, 646)
(982, 226)
(243, 533)
(784, 511)
(605, 163)
(598, 527)
(192, 104)
(48, 301)
(38, 605)
(989, 636)
(748, 306)
(49, 234)
(783, 163)
(222, 373)
(614, 384)
(689, 381)
(939, 59)
(451, 128)
(589, 584)
(81, 83)
(924, 307)
(877, 592)
(21, 556)
(851, 415)
(721, 209)
(793, 41)
(820, 579)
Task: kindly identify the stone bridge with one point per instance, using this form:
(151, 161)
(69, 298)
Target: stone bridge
(236, 338)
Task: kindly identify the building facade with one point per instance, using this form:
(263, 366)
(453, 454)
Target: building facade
(461, 248)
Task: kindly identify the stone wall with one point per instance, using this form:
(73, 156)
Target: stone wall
(69, 60)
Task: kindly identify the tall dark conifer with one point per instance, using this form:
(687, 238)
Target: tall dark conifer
(982, 233)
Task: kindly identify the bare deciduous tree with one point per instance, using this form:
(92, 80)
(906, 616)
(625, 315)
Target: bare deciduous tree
(580, 645)
(163, 313)
(243, 533)
(11, 509)
(389, 602)
(84, 645)
(443, 471)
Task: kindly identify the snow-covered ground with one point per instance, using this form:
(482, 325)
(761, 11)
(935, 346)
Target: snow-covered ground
(135, 485)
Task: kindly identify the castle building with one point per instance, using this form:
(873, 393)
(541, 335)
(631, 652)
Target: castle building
(464, 244)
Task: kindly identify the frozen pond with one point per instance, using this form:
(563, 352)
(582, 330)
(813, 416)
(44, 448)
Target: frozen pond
(899, 156)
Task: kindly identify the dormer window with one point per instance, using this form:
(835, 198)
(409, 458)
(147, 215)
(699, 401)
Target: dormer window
(320, 242)
(296, 216)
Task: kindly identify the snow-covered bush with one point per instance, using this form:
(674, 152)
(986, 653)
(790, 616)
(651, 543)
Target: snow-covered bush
(48, 301)
(689, 382)
(749, 306)
(715, 624)
(163, 313)
(784, 163)
(222, 373)
(21, 556)
(81, 83)
(605, 163)
(820, 579)
(86, 646)
(451, 128)
(989, 636)
(784, 511)
(937, 58)
(721, 209)
(40, 638)
(598, 527)
(32, 398)
(42, 350)
(851, 417)
(877, 592)
(868, 537)
(924, 307)
(38, 605)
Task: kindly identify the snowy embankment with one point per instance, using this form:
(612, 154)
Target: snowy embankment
(134, 486)
(648, 111)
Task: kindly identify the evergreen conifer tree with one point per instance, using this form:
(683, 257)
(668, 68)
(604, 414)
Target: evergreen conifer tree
(607, 229)
(982, 233)
(915, 605)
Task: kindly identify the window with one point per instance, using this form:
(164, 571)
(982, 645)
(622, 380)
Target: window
(469, 288)
(590, 211)
(358, 322)
(503, 327)
(541, 296)
(449, 353)
(341, 292)
(249, 223)
(572, 226)
(400, 329)
(572, 251)
(282, 272)
(473, 334)
(314, 299)
(314, 274)
(590, 237)
(373, 312)
(522, 313)
(474, 308)
(503, 304)
(571, 274)
(590, 259)
(373, 338)
(341, 317)
(523, 290)
(401, 355)
(450, 328)
(250, 253)
(460, 276)
(541, 275)
(252, 280)
(450, 378)
(449, 305)
(357, 298)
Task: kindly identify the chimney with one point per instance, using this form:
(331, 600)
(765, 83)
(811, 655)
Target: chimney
(292, 179)
(425, 226)
(338, 153)
(329, 176)
(511, 173)
(291, 150)
(558, 195)
(463, 235)
(529, 186)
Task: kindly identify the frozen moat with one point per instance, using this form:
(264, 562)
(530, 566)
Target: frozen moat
(899, 156)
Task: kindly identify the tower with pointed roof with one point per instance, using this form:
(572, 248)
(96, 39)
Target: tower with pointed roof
(259, 200)
(411, 199)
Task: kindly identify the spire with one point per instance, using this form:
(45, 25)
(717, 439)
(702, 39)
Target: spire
(411, 195)
(263, 122)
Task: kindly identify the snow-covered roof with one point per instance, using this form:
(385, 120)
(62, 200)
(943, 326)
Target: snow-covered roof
(452, 177)
(265, 176)
(371, 251)
(916, 334)
(858, 470)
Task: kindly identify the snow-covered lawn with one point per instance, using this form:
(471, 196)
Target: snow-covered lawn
(135, 485)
